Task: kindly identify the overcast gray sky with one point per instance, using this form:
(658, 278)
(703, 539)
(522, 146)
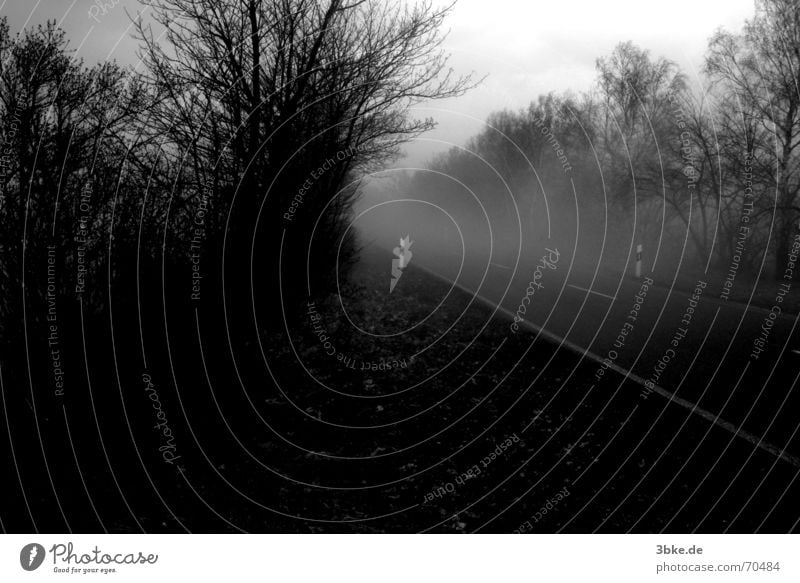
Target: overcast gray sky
(526, 48)
(531, 48)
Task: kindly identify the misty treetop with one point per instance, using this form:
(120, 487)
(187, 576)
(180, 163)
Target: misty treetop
(709, 167)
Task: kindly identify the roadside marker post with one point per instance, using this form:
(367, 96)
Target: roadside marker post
(639, 261)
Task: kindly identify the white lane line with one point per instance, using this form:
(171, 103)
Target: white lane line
(591, 291)
(692, 407)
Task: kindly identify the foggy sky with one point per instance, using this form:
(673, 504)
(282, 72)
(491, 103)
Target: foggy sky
(525, 48)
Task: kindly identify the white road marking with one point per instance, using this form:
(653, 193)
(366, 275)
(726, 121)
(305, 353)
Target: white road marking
(796, 351)
(692, 407)
(500, 266)
(591, 291)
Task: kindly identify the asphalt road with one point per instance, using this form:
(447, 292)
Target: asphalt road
(737, 365)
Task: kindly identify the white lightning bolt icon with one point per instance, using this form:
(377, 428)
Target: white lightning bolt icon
(34, 552)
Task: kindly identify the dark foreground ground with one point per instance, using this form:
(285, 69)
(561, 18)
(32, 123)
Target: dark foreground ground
(418, 410)
(628, 463)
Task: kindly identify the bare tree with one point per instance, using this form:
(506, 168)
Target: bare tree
(760, 69)
(256, 96)
(634, 93)
(65, 132)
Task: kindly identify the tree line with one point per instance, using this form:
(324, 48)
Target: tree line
(706, 171)
(187, 164)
